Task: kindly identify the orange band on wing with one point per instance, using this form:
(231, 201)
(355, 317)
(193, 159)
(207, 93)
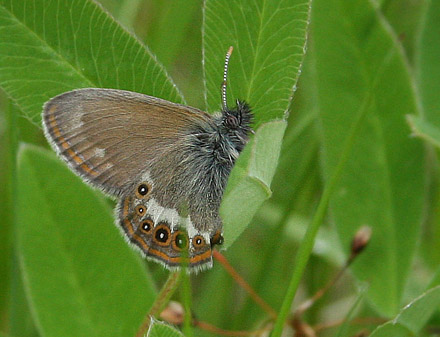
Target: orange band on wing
(178, 260)
(136, 237)
(129, 226)
(54, 125)
(125, 208)
(206, 255)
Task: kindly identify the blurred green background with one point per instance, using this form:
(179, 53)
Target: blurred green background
(376, 59)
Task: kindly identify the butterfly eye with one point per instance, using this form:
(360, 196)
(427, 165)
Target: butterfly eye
(198, 241)
(232, 121)
(142, 190)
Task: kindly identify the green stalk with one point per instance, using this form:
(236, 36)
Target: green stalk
(186, 299)
(161, 301)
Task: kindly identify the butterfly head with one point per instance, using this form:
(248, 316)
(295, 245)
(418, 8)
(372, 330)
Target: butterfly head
(236, 122)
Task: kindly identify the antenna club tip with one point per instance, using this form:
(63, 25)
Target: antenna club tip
(230, 50)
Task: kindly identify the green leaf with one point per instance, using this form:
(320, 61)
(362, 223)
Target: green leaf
(427, 125)
(268, 39)
(392, 329)
(435, 281)
(429, 65)
(249, 183)
(7, 176)
(81, 278)
(49, 47)
(425, 130)
(21, 321)
(170, 28)
(360, 69)
(413, 317)
(159, 329)
(406, 17)
(126, 11)
(269, 42)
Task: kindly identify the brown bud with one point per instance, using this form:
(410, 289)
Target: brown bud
(173, 313)
(360, 240)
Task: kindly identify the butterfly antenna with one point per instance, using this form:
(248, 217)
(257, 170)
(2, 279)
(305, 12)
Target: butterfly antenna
(225, 77)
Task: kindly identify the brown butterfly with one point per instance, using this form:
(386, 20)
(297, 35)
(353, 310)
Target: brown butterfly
(167, 163)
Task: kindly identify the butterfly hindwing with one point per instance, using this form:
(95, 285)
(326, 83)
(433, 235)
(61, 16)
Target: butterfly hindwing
(160, 233)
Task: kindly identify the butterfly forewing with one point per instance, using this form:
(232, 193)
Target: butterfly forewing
(110, 136)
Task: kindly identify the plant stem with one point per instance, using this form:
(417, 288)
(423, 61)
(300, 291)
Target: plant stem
(162, 299)
(221, 332)
(186, 299)
(241, 281)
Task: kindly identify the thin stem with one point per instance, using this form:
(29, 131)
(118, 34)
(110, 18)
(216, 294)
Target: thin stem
(241, 281)
(305, 249)
(186, 297)
(162, 299)
(221, 332)
(357, 321)
(312, 300)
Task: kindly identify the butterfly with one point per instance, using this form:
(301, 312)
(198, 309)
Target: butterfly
(167, 163)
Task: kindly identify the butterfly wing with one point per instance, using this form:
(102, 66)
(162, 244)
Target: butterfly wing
(160, 233)
(134, 146)
(109, 137)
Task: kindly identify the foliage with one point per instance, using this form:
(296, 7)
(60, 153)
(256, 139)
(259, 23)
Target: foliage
(369, 81)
